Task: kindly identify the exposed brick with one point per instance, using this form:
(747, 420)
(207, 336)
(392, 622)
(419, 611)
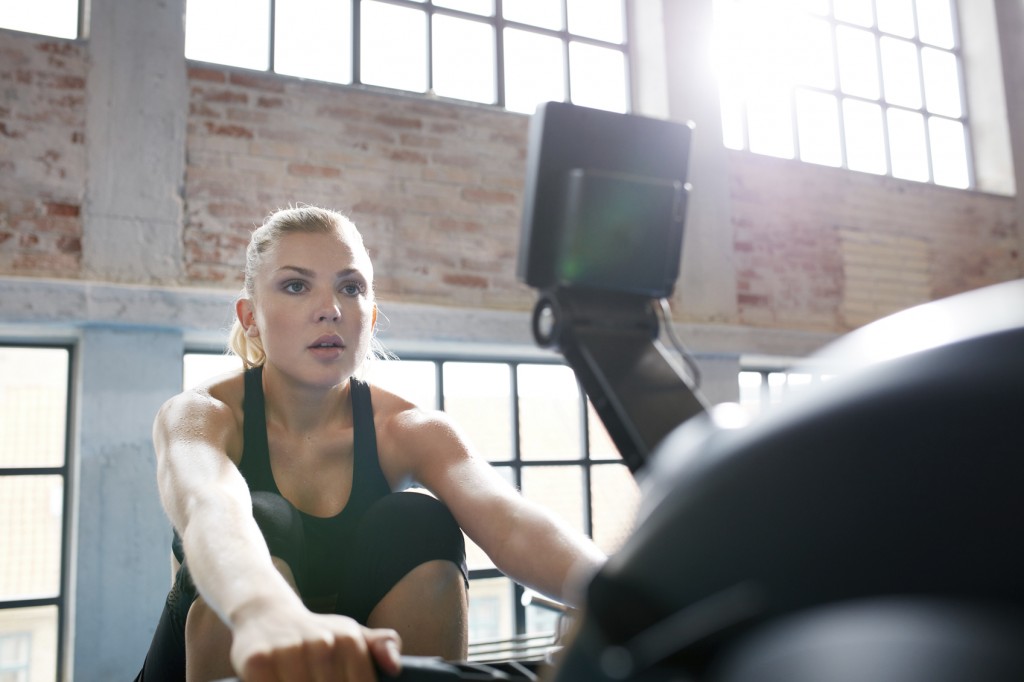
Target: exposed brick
(309, 170)
(222, 96)
(201, 73)
(229, 130)
(464, 280)
(269, 83)
(407, 156)
(396, 121)
(67, 244)
(478, 195)
(62, 209)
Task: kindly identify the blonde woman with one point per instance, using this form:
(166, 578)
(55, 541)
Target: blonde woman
(302, 559)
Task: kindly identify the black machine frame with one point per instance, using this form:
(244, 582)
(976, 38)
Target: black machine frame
(601, 239)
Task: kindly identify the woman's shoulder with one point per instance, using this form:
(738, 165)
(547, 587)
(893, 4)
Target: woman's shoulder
(217, 398)
(402, 422)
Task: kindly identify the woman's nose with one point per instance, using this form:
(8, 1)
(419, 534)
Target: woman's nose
(329, 312)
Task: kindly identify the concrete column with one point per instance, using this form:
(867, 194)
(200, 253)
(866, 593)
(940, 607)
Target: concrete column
(1010, 20)
(121, 534)
(137, 107)
(706, 290)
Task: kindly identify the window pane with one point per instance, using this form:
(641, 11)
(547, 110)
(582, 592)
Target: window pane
(478, 396)
(750, 384)
(482, 7)
(313, 39)
(414, 380)
(544, 13)
(616, 498)
(935, 19)
(559, 489)
(33, 407)
(549, 412)
(858, 65)
(600, 19)
(941, 82)
(949, 152)
(540, 621)
(855, 12)
(865, 145)
(819, 7)
(770, 124)
(393, 46)
(900, 74)
(29, 635)
(491, 610)
(464, 59)
(817, 116)
(246, 21)
(58, 18)
(601, 444)
(597, 77)
(733, 120)
(907, 145)
(31, 514)
(534, 70)
(199, 367)
(816, 65)
(896, 17)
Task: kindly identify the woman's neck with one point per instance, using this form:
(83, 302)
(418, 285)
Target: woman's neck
(302, 408)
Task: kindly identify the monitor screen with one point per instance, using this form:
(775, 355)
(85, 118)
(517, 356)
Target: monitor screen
(605, 201)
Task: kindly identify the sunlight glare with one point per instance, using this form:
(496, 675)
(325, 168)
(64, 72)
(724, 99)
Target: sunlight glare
(57, 18)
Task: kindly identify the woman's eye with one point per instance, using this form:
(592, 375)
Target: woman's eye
(352, 289)
(294, 287)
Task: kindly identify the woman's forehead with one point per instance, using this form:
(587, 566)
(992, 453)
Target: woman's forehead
(335, 251)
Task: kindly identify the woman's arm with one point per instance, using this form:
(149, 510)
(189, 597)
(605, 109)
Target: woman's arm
(526, 542)
(274, 636)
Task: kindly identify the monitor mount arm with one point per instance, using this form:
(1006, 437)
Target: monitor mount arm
(610, 339)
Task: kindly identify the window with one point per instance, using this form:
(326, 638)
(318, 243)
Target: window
(57, 18)
(510, 53)
(761, 388)
(15, 651)
(34, 488)
(533, 423)
(869, 85)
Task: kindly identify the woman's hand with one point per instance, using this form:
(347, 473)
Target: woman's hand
(288, 644)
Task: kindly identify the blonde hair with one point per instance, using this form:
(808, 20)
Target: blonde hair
(298, 219)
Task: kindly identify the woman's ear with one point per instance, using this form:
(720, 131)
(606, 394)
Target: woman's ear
(373, 320)
(247, 317)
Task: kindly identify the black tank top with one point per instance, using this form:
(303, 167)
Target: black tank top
(327, 538)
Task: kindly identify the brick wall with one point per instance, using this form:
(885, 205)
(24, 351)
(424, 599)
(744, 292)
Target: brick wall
(42, 155)
(434, 187)
(822, 248)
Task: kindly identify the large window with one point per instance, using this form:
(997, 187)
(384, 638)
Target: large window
(532, 422)
(510, 53)
(34, 488)
(869, 85)
(58, 18)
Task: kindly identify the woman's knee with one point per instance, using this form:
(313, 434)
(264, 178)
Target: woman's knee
(418, 522)
(281, 526)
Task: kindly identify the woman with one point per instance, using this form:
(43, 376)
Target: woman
(301, 559)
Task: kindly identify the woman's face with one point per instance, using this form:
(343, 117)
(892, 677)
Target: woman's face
(313, 307)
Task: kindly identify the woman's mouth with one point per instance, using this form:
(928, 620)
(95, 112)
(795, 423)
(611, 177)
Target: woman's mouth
(327, 345)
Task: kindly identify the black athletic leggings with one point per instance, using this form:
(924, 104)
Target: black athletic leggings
(399, 532)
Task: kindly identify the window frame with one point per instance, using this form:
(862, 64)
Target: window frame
(65, 471)
(742, 112)
(498, 23)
